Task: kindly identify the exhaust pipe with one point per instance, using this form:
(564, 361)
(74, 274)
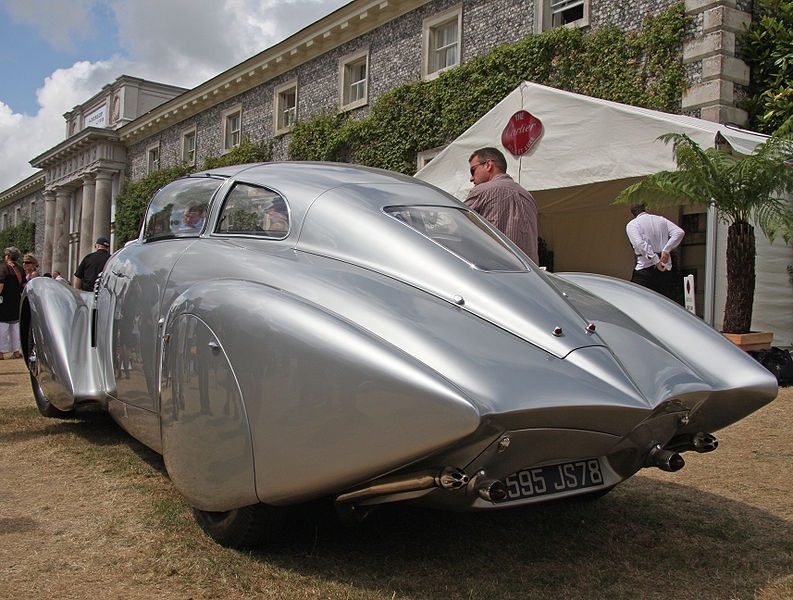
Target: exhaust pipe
(450, 478)
(705, 442)
(698, 442)
(666, 460)
(492, 490)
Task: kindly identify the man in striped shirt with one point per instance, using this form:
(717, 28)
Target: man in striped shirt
(502, 201)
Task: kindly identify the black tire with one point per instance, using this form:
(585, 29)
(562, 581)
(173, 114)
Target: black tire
(247, 527)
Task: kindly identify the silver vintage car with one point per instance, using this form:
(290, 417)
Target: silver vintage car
(289, 332)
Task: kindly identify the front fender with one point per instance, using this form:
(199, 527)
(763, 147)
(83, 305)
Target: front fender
(325, 403)
(58, 318)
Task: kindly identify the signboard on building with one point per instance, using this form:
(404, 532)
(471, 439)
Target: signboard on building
(98, 118)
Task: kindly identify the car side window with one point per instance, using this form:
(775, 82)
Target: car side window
(179, 209)
(253, 210)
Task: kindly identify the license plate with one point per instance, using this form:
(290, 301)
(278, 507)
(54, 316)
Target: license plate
(553, 479)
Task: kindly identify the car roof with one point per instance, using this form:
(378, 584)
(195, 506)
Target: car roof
(303, 181)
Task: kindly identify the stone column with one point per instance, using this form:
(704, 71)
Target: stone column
(87, 216)
(104, 190)
(60, 237)
(721, 73)
(49, 230)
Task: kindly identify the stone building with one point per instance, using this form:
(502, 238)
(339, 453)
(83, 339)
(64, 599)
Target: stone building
(341, 62)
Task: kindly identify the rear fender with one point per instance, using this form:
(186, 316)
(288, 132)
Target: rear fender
(58, 318)
(740, 384)
(300, 401)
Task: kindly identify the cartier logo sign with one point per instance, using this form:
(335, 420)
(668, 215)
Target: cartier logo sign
(521, 133)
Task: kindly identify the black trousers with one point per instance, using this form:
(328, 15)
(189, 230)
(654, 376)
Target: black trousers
(658, 281)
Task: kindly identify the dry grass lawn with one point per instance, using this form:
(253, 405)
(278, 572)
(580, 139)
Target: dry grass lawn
(85, 511)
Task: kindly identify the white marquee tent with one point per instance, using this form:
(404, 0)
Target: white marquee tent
(590, 150)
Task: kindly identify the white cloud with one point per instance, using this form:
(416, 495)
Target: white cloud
(179, 42)
(59, 23)
(25, 137)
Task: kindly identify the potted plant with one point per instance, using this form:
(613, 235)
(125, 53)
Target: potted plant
(744, 191)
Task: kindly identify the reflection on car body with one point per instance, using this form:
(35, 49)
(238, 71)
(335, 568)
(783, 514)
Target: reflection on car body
(347, 333)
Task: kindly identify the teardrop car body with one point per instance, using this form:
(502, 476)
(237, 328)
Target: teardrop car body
(287, 332)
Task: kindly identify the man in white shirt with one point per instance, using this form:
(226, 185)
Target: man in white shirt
(653, 238)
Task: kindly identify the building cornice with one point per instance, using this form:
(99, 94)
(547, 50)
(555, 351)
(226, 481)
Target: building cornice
(347, 23)
(24, 188)
(71, 146)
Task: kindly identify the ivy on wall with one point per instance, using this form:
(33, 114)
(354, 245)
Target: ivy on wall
(246, 152)
(22, 236)
(767, 47)
(643, 69)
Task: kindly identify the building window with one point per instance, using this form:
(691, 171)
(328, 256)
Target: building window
(442, 37)
(354, 79)
(188, 147)
(232, 128)
(18, 215)
(425, 156)
(285, 106)
(154, 158)
(556, 13)
(5, 220)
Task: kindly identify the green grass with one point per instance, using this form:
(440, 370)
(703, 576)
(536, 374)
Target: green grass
(649, 538)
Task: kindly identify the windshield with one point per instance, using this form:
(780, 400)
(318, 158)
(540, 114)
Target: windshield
(179, 209)
(461, 232)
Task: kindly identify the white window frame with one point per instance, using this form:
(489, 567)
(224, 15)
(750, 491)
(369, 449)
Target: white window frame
(548, 14)
(153, 158)
(188, 134)
(424, 157)
(284, 115)
(430, 28)
(353, 91)
(232, 127)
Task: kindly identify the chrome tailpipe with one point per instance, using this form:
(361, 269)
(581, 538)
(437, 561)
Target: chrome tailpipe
(492, 490)
(697, 442)
(664, 459)
(705, 442)
(450, 478)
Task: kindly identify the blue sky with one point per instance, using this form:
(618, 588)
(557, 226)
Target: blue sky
(55, 54)
(27, 56)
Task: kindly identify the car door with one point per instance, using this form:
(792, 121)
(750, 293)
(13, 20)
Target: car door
(136, 282)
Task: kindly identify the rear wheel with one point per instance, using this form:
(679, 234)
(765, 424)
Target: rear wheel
(246, 527)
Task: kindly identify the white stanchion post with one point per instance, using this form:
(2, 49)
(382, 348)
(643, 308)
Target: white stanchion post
(689, 294)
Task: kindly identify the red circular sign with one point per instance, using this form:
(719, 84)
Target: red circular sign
(521, 133)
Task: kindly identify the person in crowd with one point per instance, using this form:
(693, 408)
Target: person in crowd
(653, 238)
(56, 275)
(12, 280)
(91, 266)
(31, 266)
(502, 201)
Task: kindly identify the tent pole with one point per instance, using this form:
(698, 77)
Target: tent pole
(710, 265)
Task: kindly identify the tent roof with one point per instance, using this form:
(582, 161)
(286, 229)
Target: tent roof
(585, 140)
